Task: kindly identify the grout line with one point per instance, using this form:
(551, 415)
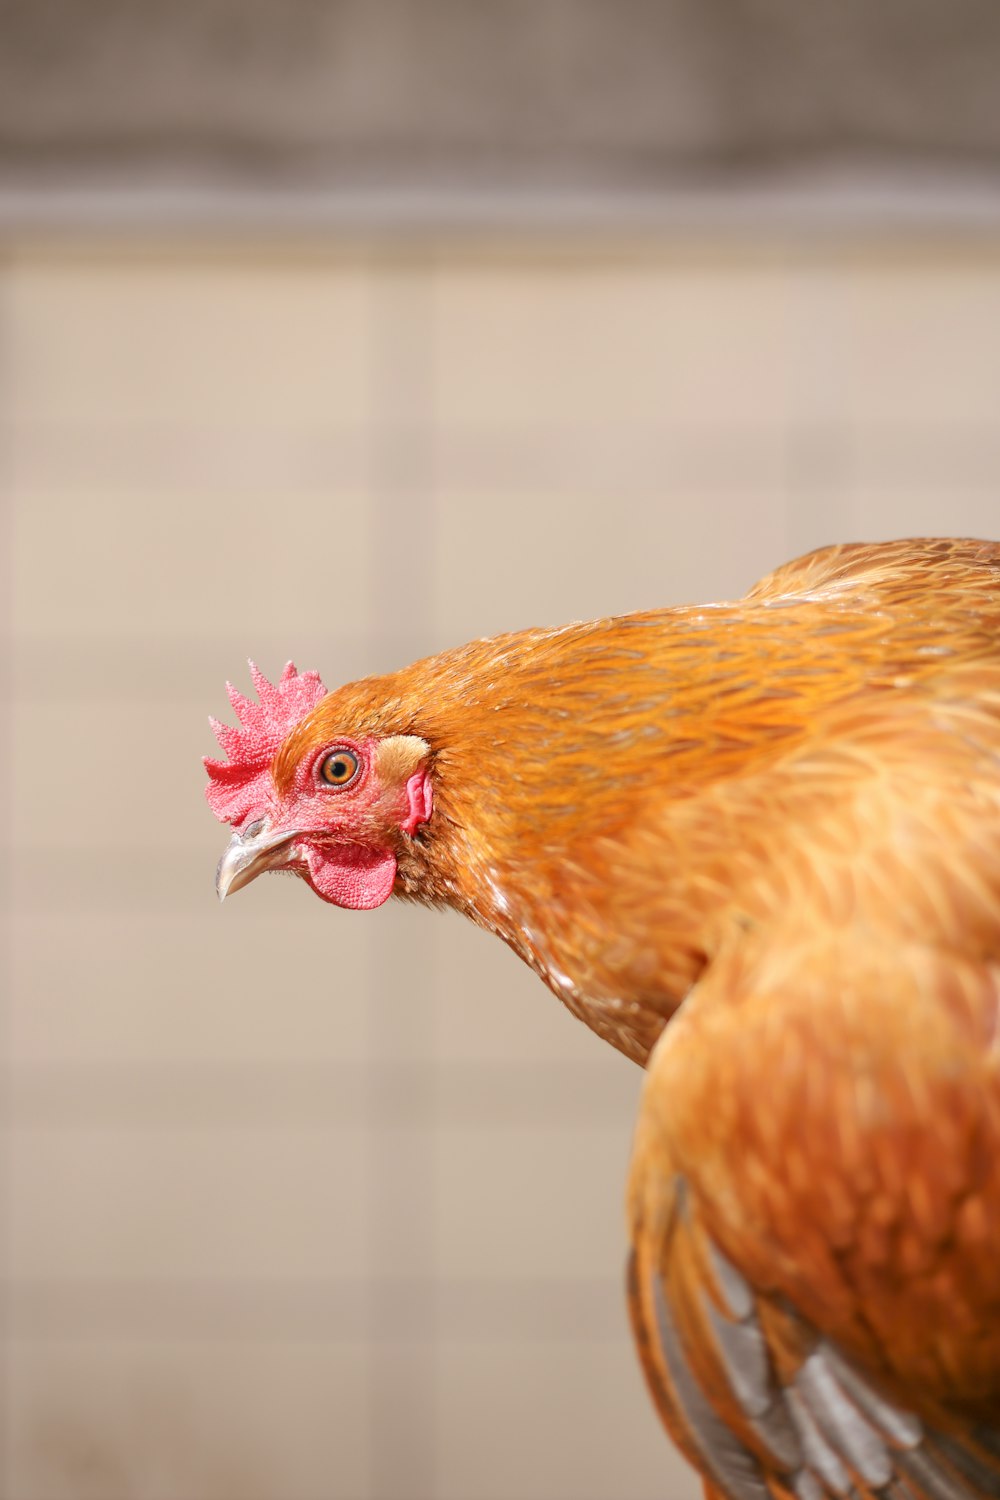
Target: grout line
(415, 1094)
(402, 1410)
(6, 861)
(541, 1309)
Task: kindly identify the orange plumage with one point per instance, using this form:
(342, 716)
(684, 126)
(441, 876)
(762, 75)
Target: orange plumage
(774, 825)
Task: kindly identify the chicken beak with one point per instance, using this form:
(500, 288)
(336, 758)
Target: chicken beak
(248, 856)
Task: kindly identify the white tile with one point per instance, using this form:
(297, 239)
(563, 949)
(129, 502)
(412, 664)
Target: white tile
(405, 1437)
(265, 983)
(120, 339)
(566, 1421)
(180, 1202)
(92, 563)
(401, 1206)
(599, 1092)
(404, 983)
(921, 342)
(490, 1007)
(924, 459)
(261, 465)
(623, 459)
(514, 560)
(187, 1421)
(886, 511)
(529, 1201)
(530, 345)
(93, 772)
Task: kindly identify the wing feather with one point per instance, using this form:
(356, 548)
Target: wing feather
(774, 1384)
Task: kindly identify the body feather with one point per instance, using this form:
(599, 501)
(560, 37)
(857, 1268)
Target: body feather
(756, 847)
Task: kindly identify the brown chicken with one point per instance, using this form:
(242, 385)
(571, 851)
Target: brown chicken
(775, 825)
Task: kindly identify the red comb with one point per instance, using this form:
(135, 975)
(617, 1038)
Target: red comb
(239, 786)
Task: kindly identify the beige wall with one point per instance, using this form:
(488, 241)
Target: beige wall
(308, 1205)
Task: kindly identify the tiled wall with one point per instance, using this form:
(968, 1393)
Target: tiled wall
(308, 1205)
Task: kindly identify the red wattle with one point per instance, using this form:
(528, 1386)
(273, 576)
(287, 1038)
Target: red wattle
(350, 875)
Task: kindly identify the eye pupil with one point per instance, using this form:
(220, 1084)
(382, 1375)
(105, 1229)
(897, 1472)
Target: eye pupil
(340, 768)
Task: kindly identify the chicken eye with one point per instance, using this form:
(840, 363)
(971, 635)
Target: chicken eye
(340, 768)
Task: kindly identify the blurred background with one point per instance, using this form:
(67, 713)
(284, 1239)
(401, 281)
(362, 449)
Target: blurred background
(346, 331)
